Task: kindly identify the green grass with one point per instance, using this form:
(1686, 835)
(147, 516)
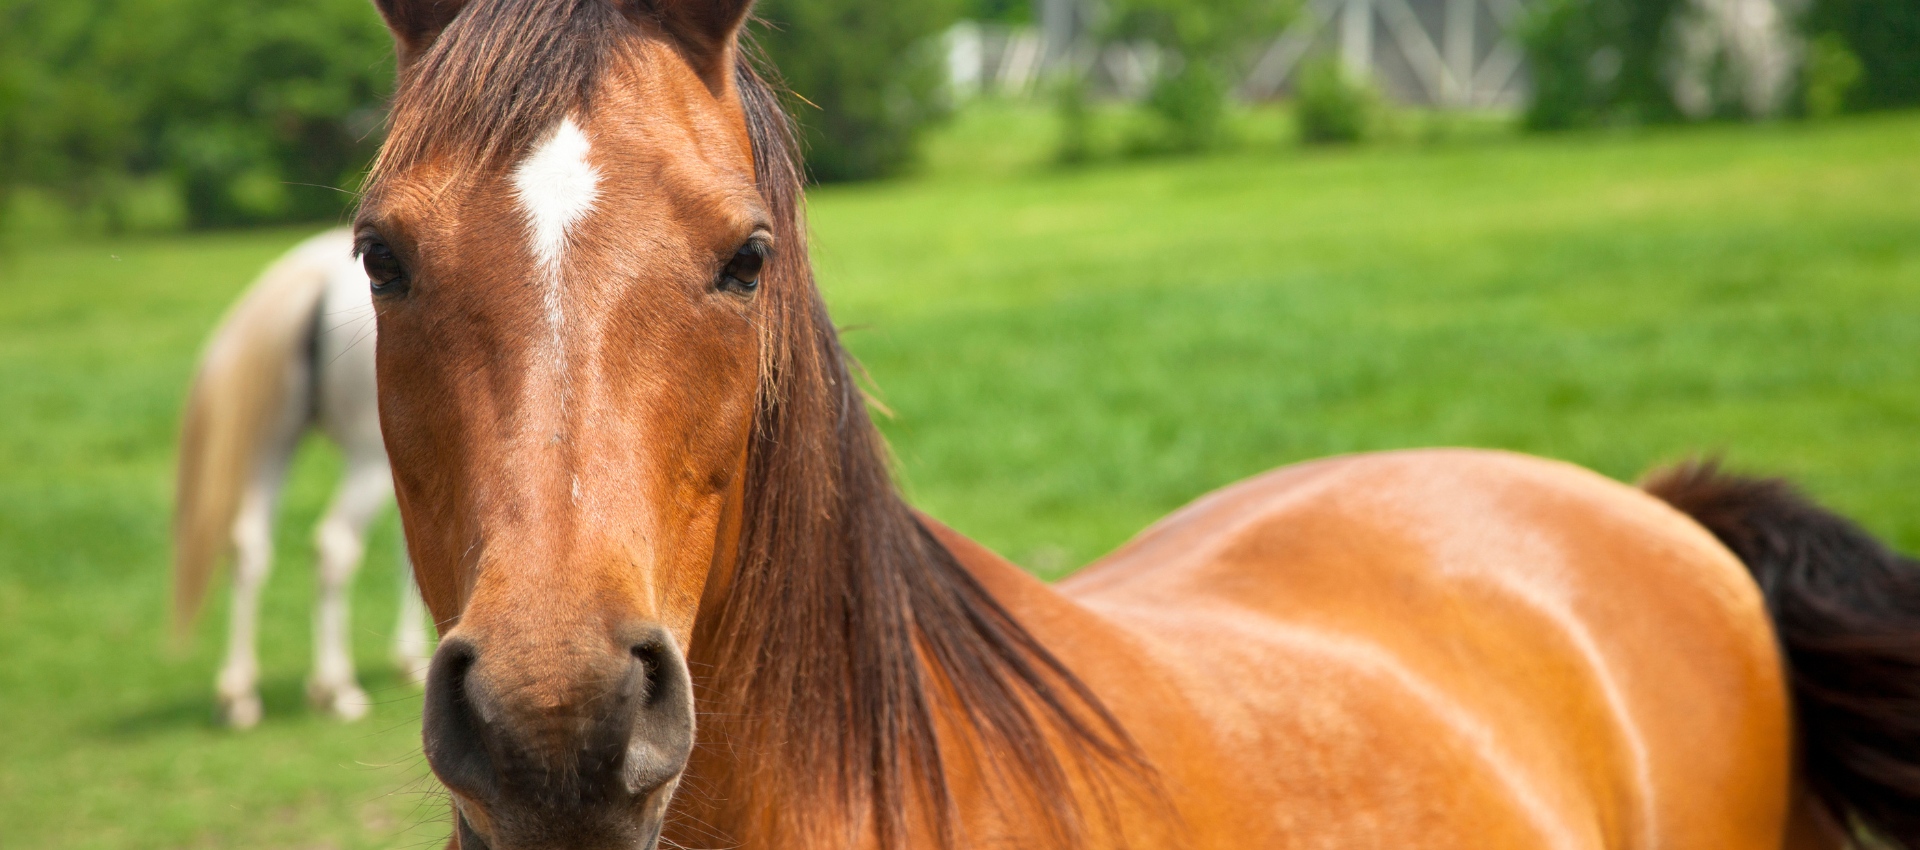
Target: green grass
(1069, 355)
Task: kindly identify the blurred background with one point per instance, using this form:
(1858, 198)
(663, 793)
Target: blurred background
(1100, 257)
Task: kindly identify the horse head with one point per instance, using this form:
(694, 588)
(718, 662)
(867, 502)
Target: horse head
(565, 237)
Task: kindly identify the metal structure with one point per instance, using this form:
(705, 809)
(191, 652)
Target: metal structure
(1728, 57)
(1064, 25)
(1445, 53)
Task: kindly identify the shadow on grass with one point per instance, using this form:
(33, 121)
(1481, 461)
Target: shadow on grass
(282, 698)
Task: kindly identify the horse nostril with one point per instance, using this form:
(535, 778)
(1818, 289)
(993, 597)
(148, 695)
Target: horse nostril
(661, 691)
(451, 728)
(647, 659)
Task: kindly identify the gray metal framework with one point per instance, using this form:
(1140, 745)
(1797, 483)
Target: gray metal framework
(1443, 53)
(1447, 53)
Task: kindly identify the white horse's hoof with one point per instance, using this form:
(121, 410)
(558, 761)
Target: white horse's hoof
(342, 702)
(240, 712)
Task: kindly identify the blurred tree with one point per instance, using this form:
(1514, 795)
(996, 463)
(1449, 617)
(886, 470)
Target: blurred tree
(1003, 11)
(1625, 61)
(1203, 39)
(866, 74)
(1831, 75)
(1598, 62)
(1883, 37)
(256, 111)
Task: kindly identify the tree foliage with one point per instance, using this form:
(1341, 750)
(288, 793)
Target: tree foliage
(1613, 61)
(1883, 36)
(866, 76)
(1598, 62)
(1002, 11)
(1205, 41)
(254, 110)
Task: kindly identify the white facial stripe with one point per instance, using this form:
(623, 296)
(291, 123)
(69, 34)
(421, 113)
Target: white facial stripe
(556, 187)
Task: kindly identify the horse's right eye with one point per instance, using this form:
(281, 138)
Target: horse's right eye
(384, 273)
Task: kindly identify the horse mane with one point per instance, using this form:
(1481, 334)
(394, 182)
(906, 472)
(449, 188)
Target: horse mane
(875, 621)
(847, 638)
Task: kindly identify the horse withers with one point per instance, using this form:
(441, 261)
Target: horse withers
(685, 604)
(293, 355)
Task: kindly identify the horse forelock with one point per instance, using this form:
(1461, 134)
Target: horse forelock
(497, 81)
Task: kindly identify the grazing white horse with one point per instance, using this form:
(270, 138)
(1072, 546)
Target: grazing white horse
(295, 353)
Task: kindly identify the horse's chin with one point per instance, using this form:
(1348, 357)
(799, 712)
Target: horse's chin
(648, 838)
(636, 828)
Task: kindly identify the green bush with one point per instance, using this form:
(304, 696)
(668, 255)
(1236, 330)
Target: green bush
(1883, 36)
(866, 75)
(1598, 62)
(1331, 107)
(1831, 73)
(1076, 122)
(1188, 109)
(1202, 38)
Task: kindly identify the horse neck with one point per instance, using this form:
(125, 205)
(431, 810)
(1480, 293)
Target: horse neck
(731, 794)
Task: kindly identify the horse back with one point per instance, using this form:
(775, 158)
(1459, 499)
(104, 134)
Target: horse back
(1450, 648)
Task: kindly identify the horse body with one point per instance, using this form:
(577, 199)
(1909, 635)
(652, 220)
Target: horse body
(296, 353)
(682, 598)
(1454, 649)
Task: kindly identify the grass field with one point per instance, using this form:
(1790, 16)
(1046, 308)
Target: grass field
(1068, 355)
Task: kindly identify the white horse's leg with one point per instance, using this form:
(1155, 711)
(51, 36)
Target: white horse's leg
(238, 684)
(341, 541)
(410, 634)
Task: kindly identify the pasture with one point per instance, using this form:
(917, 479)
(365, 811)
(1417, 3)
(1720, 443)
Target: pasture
(1066, 356)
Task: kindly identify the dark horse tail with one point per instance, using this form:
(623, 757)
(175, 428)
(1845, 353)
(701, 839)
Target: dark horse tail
(1846, 610)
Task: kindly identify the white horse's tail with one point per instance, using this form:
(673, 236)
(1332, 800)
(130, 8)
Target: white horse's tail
(256, 360)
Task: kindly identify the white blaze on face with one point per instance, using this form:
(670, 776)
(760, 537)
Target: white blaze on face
(556, 187)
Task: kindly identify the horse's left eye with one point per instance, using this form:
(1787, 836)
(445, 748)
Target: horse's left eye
(743, 271)
(384, 273)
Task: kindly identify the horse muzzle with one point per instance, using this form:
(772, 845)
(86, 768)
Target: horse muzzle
(547, 748)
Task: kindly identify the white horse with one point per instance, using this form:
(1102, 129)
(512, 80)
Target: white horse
(295, 352)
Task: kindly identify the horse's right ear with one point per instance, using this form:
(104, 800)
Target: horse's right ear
(416, 23)
(705, 30)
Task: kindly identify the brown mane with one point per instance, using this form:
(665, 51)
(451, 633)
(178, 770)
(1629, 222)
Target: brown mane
(871, 614)
(825, 672)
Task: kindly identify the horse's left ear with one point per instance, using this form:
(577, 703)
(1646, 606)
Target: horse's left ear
(705, 29)
(416, 23)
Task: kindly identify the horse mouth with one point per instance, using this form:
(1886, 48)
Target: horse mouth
(649, 832)
(564, 827)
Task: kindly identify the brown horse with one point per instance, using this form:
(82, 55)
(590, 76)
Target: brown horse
(640, 487)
